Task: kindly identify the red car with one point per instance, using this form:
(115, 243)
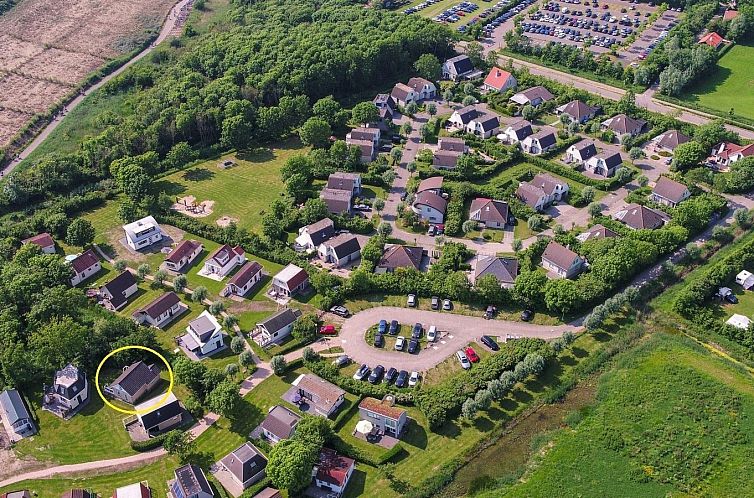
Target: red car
(473, 357)
(328, 330)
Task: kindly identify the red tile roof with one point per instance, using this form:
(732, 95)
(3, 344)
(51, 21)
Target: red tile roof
(497, 78)
(385, 409)
(712, 39)
(182, 250)
(334, 468)
(42, 240)
(730, 14)
(84, 261)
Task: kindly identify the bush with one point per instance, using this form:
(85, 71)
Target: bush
(278, 365)
(237, 344)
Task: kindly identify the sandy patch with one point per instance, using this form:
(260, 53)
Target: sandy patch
(188, 206)
(10, 122)
(11, 465)
(225, 221)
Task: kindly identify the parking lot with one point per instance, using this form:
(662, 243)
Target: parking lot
(466, 13)
(649, 38)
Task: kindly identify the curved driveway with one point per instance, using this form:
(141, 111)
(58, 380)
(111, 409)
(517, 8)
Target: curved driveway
(455, 332)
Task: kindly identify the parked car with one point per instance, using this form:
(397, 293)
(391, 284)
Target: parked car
(402, 379)
(435, 303)
(390, 375)
(416, 332)
(489, 313)
(432, 333)
(447, 305)
(340, 311)
(471, 354)
(400, 343)
(393, 329)
(490, 342)
(362, 372)
(411, 300)
(379, 340)
(376, 374)
(382, 327)
(414, 379)
(327, 330)
(342, 360)
(527, 315)
(463, 359)
(731, 298)
(413, 346)
(431, 231)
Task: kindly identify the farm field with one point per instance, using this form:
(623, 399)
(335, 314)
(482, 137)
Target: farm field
(649, 408)
(730, 86)
(242, 192)
(49, 49)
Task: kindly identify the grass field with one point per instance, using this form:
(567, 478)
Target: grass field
(731, 86)
(243, 191)
(671, 421)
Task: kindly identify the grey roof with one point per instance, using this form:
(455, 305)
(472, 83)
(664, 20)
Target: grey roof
(521, 129)
(671, 139)
(467, 113)
(362, 133)
(578, 110)
(135, 376)
(398, 256)
(612, 159)
(344, 244)
(202, 327)
(546, 137)
(321, 230)
(640, 217)
(559, 255)
(490, 210)
(338, 201)
(445, 159)
(488, 121)
(245, 462)
(192, 480)
(546, 182)
(461, 63)
(161, 414)
(342, 180)
(536, 92)
(505, 270)
(117, 286)
(281, 319)
(280, 421)
(451, 144)
(13, 406)
(69, 382)
(529, 194)
(586, 149)
(670, 189)
(432, 200)
(384, 100)
(596, 232)
(160, 305)
(623, 124)
(322, 393)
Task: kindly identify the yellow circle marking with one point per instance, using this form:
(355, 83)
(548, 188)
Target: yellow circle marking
(159, 403)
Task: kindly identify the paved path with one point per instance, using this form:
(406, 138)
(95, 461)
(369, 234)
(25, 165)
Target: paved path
(171, 25)
(456, 331)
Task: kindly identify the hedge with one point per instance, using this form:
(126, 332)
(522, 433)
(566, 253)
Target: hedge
(344, 415)
(331, 373)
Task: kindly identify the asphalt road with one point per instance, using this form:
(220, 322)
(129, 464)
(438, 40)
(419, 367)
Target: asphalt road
(455, 332)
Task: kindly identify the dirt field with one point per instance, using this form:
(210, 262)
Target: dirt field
(49, 47)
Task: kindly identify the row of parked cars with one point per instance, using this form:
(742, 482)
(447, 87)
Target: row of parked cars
(663, 34)
(456, 12)
(401, 342)
(379, 374)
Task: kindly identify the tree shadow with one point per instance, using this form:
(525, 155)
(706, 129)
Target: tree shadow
(198, 174)
(203, 459)
(259, 155)
(450, 429)
(483, 424)
(522, 396)
(357, 483)
(415, 435)
(509, 404)
(170, 188)
(579, 352)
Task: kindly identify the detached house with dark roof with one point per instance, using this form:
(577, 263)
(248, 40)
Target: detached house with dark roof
(84, 266)
(277, 327)
(533, 96)
(668, 141)
(280, 423)
(15, 416)
(398, 256)
(44, 241)
(604, 164)
(337, 201)
(578, 111)
(443, 159)
(560, 261)
(489, 213)
(516, 132)
(499, 80)
(475, 120)
(161, 311)
(505, 270)
(290, 281)
(430, 206)
(183, 255)
(204, 335)
(624, 125)
(457, 68)
(386, 105)
(134, 382)
(332, 472)
(323, 397)
(350, 182)
(340, 250)
(156, 416)
(244, 280)
(78, 493)
(311, 236)
(189, 482)
(669, 192)
(116, 292)
(640, 217)
(596, 232)
(539, 143)
(367, 140)
(384, 416)
(542, 191)
(578, 153)
(223, 261)
(68, 393)
(246, 465)
(431, 184)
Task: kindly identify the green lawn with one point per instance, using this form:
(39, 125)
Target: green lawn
(243, 191)
(730, 86)
(672, 420)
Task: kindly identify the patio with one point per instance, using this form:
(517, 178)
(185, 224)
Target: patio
(373, 436)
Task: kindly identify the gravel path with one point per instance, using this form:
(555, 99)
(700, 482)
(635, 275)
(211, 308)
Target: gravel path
(455, 330)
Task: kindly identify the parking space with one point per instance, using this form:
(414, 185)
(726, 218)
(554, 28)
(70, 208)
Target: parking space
(649, 38)
(464, 14)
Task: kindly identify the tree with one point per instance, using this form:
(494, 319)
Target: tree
(411, 108)
(378, 204)
(688, 155)
(562, 296)
(179, 283)
(314, 431)
(159, 277)
(529, 286)
(475, 51)
(711, 134)
(588, 194)
(411, 167)
(191, 374)
(642, 180)
(180, 444)
(468, 100)
(59, 342)
(743, 217)
(290, 465)
(315, 132)
(179, 155)
(517, 245)
(469, 226)
(237, 344)
(236, 132)
(490, 291)
(134, 182)
(636, 153)
(447, 95)
(594, 209)
(365, 113)
(564, 119)
(296, 186)
(224, 398)
(431, 108)
(536, 222)
(305, 328)
(623, 174)
(246, 359)
(143, 270)
(80, 233)
(230, 321)
(428, 66)
(199, 294)
(231, 369)
(469, 409)
(406, 128)
(278, 365)
(120, 265)
(330, 110)
(396, 154)
(528, 112)
(385, 229)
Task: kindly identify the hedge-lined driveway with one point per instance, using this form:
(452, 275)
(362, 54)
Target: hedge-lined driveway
(455, 332)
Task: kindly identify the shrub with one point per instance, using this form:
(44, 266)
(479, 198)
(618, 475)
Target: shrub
(278, 365)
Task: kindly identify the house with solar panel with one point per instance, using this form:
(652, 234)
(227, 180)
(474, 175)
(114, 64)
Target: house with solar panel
(189, 482)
